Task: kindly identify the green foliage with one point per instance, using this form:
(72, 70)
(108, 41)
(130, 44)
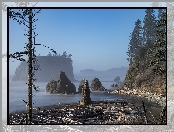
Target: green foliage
(147, 53)
(135, 41)
(149, 36)
(159, 56)
(149, 28)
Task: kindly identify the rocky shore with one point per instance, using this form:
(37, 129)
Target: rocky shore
(98, 112)
(147, 96)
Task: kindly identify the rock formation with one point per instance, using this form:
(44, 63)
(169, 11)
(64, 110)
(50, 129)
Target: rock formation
(86, 100)
(81, 86)
(49, 67)
(63, 85)
(117, 79)
(144, 79)
(116, 85)
(96, 85)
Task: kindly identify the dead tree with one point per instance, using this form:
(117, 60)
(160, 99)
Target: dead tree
(30, 68)
(30, 51)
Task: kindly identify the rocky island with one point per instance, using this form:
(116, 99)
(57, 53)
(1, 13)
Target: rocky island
(62, 86)
(96, 85)
(49, 66)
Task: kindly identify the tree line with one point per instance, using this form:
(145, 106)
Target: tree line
(147, 46)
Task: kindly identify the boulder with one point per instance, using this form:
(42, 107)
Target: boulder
(96, 85)
(62, 86)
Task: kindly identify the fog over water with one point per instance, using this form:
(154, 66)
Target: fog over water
(18, 91)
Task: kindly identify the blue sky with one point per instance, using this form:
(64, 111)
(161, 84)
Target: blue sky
(97, 39)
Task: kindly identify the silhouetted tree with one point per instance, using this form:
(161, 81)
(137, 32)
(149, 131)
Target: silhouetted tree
(49, 54)
(20, 17)
(65, 54)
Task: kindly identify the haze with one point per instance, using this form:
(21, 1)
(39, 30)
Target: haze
(97, 39)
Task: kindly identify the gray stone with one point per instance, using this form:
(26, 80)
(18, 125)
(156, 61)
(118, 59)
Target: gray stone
(63, 85)
(86, 100)
(96, 85)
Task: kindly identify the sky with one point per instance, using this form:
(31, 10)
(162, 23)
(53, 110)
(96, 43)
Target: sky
(97, 38)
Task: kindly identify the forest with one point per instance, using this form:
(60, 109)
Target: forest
(147, 54)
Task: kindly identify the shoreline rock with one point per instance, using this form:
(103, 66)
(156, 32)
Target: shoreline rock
(149, 97)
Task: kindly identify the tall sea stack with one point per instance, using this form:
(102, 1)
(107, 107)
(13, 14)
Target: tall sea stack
(86, 100)
(62, 86)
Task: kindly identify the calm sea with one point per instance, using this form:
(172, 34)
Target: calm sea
(18, 92)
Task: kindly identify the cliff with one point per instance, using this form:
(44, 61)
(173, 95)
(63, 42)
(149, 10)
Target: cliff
(49, 67)
(144, 80)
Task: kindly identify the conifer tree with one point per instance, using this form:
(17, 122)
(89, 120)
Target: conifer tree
(135, 41)
(149, 34)
(160, 54)
(149, 28)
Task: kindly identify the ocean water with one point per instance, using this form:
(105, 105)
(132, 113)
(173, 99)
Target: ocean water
(18, 92)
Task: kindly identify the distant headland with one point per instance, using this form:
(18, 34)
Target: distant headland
(49, 66)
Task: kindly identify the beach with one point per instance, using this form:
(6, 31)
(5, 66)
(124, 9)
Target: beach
(99, 112)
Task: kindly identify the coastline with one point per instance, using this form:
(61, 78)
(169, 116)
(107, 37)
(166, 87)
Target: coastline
(99, 112)
(157, 100)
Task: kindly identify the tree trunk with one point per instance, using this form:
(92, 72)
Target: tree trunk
(30, 68)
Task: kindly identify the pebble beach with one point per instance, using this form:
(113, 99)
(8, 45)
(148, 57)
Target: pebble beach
(98, 112)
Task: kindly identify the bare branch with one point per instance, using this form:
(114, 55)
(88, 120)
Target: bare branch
(36, 12)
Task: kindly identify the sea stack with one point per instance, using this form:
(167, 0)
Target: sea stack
(62, 86)
(86, 100)
(96, 85)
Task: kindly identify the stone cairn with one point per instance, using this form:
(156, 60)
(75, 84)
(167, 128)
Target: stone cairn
(86, 100)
